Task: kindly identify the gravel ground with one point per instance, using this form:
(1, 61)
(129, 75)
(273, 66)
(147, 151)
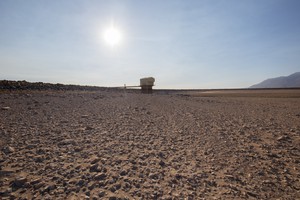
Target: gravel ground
(117, 145)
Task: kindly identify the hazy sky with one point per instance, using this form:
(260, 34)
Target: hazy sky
(182, 43)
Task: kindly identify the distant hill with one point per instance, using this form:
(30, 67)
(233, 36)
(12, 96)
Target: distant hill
(290, 81)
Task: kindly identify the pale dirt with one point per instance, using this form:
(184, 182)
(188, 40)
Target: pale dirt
(116, 145)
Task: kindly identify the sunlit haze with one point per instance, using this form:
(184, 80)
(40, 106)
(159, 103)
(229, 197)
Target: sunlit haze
(183, 44)
(112, 36)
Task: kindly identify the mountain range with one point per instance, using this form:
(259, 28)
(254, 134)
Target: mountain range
(290, 81)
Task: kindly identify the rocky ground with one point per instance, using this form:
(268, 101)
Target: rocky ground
(24, 85)
(125, 145)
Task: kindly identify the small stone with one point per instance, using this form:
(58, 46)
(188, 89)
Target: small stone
(39, 159)
(38, 185)
(31, 146)
(91, 186)
(8, 150)
(80, 182)
(161, 154)
(19, 181)
(5, 108)
(35, 181)
(67, 142)
(50, 187)
(118, 186)
(113, 189)
(283, 138)
(101, 194)
(162, 163)
(94, 197)
(94, 168)
(230, 177)
(78, 149)
(252, 194)
(89, 128)
(153, 176)
(123, 173)
(100, 176)
(5, 191)
(6, 172)
(178, 176)
(95, 160)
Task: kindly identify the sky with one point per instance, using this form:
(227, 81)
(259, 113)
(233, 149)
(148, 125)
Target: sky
(183, 44)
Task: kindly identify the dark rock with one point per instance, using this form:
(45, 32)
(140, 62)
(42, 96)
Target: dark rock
(8, 150)
(78, 149)
(5, 191)
(112, 189)
(6, 172)
(283, 138)
(252, 194)
(161, 154)
(95, 168)
(123, 173)
(35, 181)
(101, 194)
(153, 176)
(48, 188)
(89, 128)
(95, 160)
(100, 176)
(91, 186)
(67, 142)
(178, 176)
(39, 159)
(162, 163)
(39, 185)
(19, 182)
(80, 182)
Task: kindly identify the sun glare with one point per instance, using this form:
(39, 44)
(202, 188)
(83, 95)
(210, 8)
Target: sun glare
(112, 36)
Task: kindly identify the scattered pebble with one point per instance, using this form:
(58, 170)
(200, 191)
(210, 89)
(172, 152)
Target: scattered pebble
(8, 150)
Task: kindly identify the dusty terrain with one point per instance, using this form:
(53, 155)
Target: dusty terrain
(126, 145)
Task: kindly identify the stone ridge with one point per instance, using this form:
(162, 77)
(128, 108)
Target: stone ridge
(24, 85)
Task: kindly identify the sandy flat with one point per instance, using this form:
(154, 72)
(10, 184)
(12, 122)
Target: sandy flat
(126, 145)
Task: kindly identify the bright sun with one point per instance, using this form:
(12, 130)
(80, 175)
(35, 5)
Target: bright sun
(112, 36)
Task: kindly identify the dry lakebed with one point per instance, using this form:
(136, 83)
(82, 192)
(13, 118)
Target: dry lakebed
(120, 144)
